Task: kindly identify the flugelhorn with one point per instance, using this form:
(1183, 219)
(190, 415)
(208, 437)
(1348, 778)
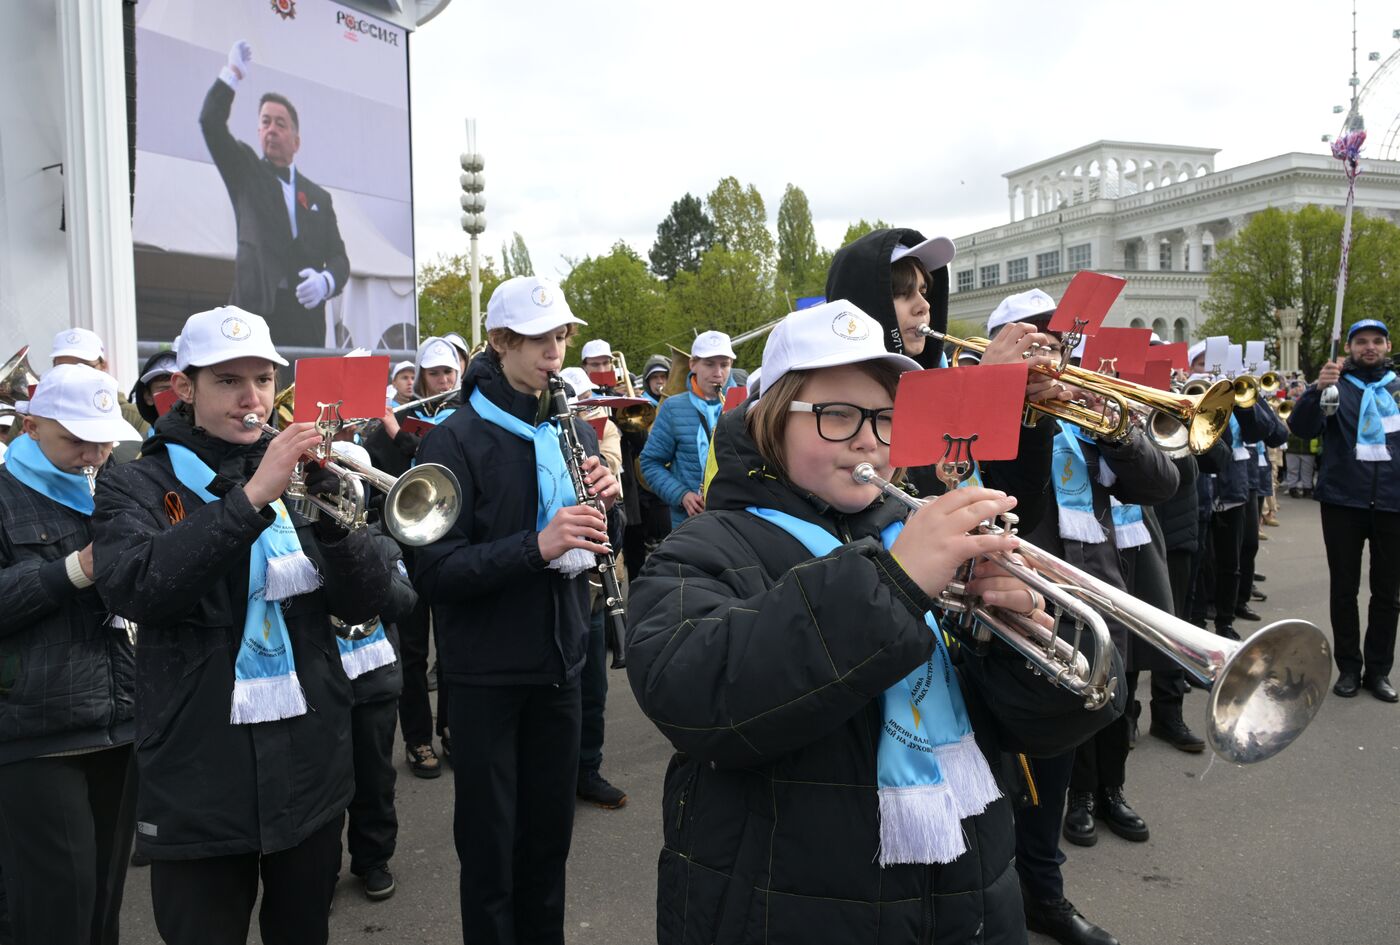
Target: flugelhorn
(1263, 690)
(1204, 415)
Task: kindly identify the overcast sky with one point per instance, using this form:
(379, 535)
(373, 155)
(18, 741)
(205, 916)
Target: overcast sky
(594, 117)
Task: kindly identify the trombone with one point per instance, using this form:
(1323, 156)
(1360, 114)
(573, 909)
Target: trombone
(637, 418)
(1263, 690)
(419, 506)
(1204, 415)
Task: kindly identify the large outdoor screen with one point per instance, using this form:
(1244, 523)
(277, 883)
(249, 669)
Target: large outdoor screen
(272, 170)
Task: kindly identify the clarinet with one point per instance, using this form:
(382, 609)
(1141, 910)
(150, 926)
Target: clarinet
(616, 622)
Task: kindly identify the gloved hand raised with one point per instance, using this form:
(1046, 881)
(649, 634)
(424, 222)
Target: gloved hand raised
(240, 56)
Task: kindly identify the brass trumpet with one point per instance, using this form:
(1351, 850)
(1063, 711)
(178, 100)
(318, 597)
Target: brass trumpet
(1204, 415)
(1264, 690)
(16, 377)
(635, 419)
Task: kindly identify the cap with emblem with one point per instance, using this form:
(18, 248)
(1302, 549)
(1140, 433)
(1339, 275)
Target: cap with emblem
(83, 400)
(711, 344)
(826, 335)
(934, 252)
(597, 348)
(437, 352)
(1021, 307)
(224, 334)
(529, 305)
(162, 365)
(1372, 323)
(78, 343)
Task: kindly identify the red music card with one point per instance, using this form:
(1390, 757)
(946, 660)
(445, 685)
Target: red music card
(164, 401)
(985, 400)
(415, 426)
(734, 397)
(1089, 296)
(1174, 354)
(1156, 374)
(357, 382)
(1127, 347)
(616, 403)
(603, 378)
(598, 424)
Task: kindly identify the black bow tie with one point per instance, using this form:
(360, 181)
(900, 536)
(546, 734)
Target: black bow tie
(285, 173)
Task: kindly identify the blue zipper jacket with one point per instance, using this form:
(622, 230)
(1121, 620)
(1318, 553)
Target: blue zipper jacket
(671, 462)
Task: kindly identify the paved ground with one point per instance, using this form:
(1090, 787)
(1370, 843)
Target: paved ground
(1298, 850)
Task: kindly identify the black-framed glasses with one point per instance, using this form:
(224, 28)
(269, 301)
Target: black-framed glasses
(838, 422)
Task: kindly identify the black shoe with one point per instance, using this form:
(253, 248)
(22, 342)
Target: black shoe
(1381, 688)
(379, 883)
(1348, 685)
(1259, 578)
(1244, 612)
(1256, 594)
(1079, 826)
(423, 761)
(1226, 631)
(140, 859)
(1175, 732)
(1295, 493)
(1059, 919)
(1121, 818)
(594, 788)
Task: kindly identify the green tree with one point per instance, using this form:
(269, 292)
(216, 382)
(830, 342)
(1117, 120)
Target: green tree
(861, 227)
(1289, 259)
(444, 294)
(515, 258)
(731, 292)
(801, 263)
(741, 220)
(682, 238)
(621, 301)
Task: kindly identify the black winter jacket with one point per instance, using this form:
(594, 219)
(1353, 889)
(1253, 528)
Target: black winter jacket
(208, 787)
(764, 668)
(1178, 516)
(1342, 479)
(501, 615)
(860, 273)
(1238, 480)
(67, 679)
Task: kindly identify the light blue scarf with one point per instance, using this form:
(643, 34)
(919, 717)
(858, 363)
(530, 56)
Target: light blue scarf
(1238, 451)
(265, 686)
(434, 418)
(362, 656)
(930, 772)
(30, 466)
(556, 487)
(1129, 527)
(709, 412)
(1377, 417)
(1073, 491)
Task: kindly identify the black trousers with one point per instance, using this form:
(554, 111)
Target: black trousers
(642, 539)
(66, 827)
(594, 695)
(210, 901)
(1344, 532)
(1038, 853)
(292, 324)
(1102, 761)
(415, 708)
(517, 765)
(1168, 687)
(1180, 570)
(1249, 551)
(373, 824)
(1227, 533)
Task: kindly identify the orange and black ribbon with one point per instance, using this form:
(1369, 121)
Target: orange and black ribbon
(174, 508)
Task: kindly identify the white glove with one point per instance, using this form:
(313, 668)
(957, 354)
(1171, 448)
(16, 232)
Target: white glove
(314, 288)
(240, 55)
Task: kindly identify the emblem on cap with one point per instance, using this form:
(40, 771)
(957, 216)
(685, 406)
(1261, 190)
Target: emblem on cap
(72, 337)
(541, 296)
(235, 329)
(849, 326)
(103, 400)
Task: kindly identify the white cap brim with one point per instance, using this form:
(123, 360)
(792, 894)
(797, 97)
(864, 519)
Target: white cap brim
(903, 362)
(934, 252)
(545, 323)
(108, 430)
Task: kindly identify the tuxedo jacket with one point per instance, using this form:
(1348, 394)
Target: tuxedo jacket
(268, 257)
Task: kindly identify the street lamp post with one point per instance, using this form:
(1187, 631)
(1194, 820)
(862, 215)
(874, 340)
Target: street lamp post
(474, 217)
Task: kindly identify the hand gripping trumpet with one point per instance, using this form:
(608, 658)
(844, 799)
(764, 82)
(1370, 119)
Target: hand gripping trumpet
(1263, 690)
(613, 605)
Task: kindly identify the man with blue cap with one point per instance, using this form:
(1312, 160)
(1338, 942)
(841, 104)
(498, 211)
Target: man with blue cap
(1358, 486)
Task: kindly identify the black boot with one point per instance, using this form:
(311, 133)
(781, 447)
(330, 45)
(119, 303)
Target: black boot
(1079, 819)
(1168, 725)
(1121, 818)
(1059, 919)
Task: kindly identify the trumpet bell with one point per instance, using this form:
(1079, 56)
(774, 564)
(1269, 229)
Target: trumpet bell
(16, 377)
(1269, 383)
(423, 504)
(1267, 691)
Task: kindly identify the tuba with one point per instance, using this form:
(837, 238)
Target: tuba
(1264, 690)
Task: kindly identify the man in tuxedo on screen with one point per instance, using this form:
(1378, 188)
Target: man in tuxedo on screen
(290, 258)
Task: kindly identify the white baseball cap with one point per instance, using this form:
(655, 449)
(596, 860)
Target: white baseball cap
(437, 352)
(402, 366)
(597, 348)
(82, 399)
(78, 343)
(1194, 352)
(577, 378)
(223, 334)
(1020, 307)
(458, 342)
(163, 366)
(826, 335)
(529, 305)
(711, 344)
(934, 252)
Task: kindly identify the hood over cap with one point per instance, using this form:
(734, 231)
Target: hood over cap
(860, 273)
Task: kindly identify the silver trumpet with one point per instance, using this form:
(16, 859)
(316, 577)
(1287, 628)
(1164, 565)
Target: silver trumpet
(1263, 690)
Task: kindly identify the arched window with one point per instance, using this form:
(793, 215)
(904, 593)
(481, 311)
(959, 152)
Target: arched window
(1181, 330)
(1159, 325)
